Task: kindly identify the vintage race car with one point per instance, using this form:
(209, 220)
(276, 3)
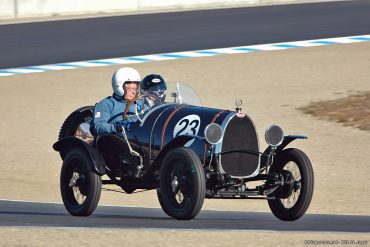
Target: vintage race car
(187, 153)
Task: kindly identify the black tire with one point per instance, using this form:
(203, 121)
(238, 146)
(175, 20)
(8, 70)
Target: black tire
(182, 184)
(292, 200)
(72, 123)
(161, 202)
(80, 187)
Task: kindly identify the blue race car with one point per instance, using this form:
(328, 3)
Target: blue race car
(187, 153)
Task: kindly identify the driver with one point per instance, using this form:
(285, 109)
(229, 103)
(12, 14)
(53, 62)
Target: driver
(108, 113)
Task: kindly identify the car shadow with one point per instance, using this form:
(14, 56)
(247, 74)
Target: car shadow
(18, 213)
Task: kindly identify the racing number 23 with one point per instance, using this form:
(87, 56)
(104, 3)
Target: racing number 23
(193, 126)
(188, 125)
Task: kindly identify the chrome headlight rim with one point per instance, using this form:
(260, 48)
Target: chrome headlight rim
(213, 133)
(274, 135)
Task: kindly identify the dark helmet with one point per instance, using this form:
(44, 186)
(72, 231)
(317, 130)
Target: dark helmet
(154, 84)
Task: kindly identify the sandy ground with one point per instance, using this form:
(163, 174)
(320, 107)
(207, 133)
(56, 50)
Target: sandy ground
(157, 238)
(272, 85)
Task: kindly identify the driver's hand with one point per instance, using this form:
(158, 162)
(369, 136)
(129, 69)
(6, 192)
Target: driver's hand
(122, 124)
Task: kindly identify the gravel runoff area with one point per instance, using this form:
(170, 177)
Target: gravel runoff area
(353, 110)
(273, 85)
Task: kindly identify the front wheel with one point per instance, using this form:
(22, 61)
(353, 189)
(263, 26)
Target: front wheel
(182, 184)
(80, 187)
(292, 199)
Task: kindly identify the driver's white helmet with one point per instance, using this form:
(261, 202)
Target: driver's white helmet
(123, 75)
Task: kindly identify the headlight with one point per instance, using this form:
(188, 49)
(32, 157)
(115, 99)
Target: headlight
(274, 135)
(213, 133)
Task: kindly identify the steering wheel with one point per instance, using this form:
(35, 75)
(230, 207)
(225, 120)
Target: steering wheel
(139, 96)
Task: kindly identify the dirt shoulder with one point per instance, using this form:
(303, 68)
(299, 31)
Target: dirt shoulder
(137, 237)
(272, 85)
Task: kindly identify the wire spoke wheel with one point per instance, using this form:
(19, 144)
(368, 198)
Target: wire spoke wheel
(179, 183)
(292, 199)
(77, 182)
(182, 184)
(293, 182)
(80, 187)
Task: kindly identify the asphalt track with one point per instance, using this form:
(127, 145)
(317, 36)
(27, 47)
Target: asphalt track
(31, 214)
(53, 42)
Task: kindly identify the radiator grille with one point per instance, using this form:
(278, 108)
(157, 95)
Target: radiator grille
(240, 134)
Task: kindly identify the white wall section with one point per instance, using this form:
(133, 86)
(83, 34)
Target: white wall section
(10, 9)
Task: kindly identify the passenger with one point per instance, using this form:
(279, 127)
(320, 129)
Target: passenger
(154, 84)
(108, 113)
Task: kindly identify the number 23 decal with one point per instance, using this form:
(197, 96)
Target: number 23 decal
(188, 125)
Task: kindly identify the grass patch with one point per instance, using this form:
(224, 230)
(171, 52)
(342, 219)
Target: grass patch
(353, 110)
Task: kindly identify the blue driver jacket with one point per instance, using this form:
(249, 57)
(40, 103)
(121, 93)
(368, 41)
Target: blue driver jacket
(109, 111)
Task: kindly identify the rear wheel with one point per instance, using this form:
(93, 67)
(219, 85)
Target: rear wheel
(182, 184)
(293, 198)
(80, 186)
